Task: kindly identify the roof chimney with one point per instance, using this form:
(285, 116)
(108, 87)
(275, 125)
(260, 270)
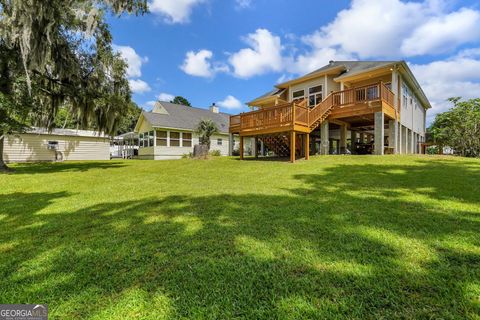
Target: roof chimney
(331, 62)
(214, 108)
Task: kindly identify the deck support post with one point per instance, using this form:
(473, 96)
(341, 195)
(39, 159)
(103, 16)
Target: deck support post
(343, 139)
(362, 137)
(262, 148)
(307, 146)
(255, 148)
(292, 146)
(353, 141)
(379, 132)
(241, 147)
(392, 135)
(325, 141)
(231, 144)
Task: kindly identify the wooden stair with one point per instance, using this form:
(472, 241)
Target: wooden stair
(320, 112)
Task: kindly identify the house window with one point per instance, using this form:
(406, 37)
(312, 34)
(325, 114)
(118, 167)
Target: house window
(151, 137)
(140, 138)
(219, 142)
(174, 139)
(161, 138)
(315, 95)
(405, 96)
(187, 139)
(300, 94)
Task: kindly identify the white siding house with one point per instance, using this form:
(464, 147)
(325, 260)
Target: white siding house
(59, 144)
(168, 131)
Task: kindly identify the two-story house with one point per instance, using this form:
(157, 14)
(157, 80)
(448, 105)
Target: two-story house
(344, 107)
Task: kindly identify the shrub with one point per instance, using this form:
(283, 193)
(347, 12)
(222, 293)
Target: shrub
(215, 153)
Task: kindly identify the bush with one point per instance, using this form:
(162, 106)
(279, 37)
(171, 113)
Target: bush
(432, 150)
(236, 152)
(215, 153)
(187, 155)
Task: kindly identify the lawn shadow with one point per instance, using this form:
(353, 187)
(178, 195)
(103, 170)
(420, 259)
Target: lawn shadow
(322, 251)
(67, 166)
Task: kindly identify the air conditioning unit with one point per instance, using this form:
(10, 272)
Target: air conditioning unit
(52, 145)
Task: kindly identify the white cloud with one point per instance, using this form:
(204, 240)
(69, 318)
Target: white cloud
(444, 33)
(165, 97)
(199, 64)
(394, 28)
(174, 11)
(458, 76)
(134, 60)
(242, 4)
(139, 86)
(150, 103)
(264, 55)
(230, 102)
(316, 58)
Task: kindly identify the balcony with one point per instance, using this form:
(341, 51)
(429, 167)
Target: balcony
(297, 116)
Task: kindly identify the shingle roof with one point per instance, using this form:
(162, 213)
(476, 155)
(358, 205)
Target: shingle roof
(352, 67)
(183, 117)
(67, 132)
(274, 92)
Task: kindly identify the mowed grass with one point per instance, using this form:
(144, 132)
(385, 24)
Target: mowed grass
(336, 237)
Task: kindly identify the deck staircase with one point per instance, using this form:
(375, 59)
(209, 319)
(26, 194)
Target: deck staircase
(321, 111)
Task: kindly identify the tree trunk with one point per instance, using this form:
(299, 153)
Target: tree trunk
(3, 165)
(200, 151)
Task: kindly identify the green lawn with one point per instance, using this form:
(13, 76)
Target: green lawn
(337, 237)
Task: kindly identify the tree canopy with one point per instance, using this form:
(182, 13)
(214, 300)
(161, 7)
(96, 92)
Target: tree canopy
(459, 127)
(181, 100)
(58, 54)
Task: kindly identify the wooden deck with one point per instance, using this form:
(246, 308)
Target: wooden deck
(298, 117)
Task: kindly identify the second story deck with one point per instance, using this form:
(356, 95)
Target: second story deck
(297, 116)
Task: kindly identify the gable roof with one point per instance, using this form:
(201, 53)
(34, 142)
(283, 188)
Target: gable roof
(343, 68)
(177, 116)
(348, 67)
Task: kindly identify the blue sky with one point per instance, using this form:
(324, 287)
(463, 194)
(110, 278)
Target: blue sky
(231, 51)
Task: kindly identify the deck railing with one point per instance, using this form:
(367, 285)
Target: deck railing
(298, 113)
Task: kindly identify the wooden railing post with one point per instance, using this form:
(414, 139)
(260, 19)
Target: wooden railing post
(293, 116)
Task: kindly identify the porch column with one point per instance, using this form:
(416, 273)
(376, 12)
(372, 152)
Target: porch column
(241, 147)
(307, 146)
(362, 137)
(292, 146)
(255, 147)
(353, 141)
(400, 139)
(409, 141)
(231, 144)
(379, 132)
(414, 145)
(343, 139)
(325, 143)
(392, 135)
